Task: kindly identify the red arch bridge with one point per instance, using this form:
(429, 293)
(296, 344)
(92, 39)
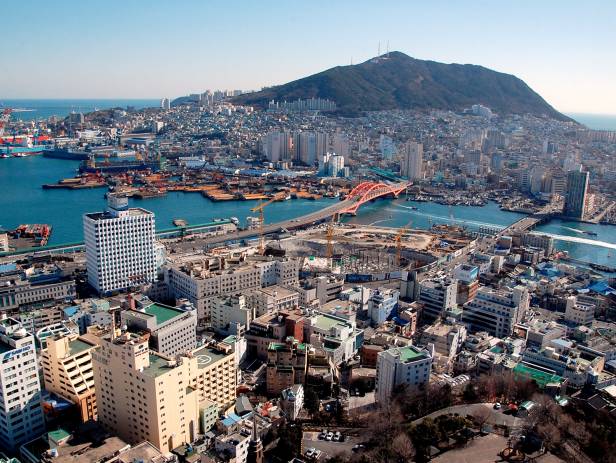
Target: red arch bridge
(369, 191)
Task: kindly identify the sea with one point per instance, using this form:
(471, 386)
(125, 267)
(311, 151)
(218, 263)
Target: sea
(28, 110)
(23, 200)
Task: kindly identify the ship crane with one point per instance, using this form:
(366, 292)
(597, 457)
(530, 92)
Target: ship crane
(259, 208)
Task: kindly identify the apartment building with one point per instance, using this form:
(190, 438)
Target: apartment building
(496, 311)
(578, 312)
(272, 299)
(142, 395)
(230, 313)
(67, 371)
(21, 415)
(409, 366)
(173, 330)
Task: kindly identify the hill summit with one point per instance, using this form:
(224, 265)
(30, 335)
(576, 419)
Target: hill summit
(398, 81)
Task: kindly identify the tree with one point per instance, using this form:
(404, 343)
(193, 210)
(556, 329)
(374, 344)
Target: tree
(481, 416)
(403, 447)
(311, 401)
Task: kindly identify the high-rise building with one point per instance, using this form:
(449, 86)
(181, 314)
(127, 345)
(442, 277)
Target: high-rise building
(496, 311)
(120, 251)
(67, 371)
(577, 194)
(340, 144)
(411, 164)
(142, 395)
(398, 366)
(335, 164)
(21, 415)
(310, 146)
(277, 146)
(165, 103)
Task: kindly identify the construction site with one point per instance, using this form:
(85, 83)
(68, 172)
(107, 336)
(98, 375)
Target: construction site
(349, 248)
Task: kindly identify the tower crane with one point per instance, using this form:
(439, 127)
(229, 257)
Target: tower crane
(259, 208)
(398, 240)
(330, 236)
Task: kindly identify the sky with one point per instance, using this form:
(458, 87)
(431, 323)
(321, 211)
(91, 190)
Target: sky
(565, 50)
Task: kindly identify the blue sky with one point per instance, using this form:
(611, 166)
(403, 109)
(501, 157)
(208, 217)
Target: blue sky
(565, 50)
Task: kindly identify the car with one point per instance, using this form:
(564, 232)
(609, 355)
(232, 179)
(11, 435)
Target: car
(337, 436)
(330, 436)
(497, 406)
(358, 447)
(323, 434)
(310, 453)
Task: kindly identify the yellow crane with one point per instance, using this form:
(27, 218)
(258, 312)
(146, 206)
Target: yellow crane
(330, 237)
(398, 241)
(259, 208)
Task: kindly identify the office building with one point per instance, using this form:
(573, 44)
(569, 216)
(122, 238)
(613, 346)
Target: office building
(230, 314)
(215, 378)
(21, 415)
(272, 299)
(577, 194)
(173, 330)
(142, 395)
(335, 165)
(437, 296)
(119, 246)
(409, 366)
(382, 305)
(66, 362)
(165, 103)
(496, 311)
(579, 313)
(18, 293)
(411, 164)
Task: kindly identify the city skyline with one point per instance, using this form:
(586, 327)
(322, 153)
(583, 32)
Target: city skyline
(125, 51)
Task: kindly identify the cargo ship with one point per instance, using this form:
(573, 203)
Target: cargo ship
(91, 167)
(64, 153)
(20, 146)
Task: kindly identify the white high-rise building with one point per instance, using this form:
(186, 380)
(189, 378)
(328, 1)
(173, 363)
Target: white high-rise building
(120, 251)
(398, 366)
(335, 164)
(165, 103)
(411, 164)
(496, 311)
(310, 146)
(21, 415)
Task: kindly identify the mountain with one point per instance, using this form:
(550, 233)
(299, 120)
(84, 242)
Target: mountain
(397, 81)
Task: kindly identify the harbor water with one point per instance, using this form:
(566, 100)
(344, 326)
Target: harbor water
(22, 200)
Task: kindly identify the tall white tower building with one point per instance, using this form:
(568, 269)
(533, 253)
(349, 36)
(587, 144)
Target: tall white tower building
(411, 165)
(21, 414)
(165, 103)
(120, 250)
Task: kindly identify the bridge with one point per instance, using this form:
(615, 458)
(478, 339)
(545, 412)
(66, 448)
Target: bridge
(369, 191)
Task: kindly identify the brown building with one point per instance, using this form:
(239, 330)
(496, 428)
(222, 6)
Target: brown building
(286, 365)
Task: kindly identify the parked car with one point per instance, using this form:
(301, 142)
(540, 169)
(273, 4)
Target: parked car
(358, 447)
(337, 436)
(323, 434)
(330, 436)
(497, 406)
(310, 452)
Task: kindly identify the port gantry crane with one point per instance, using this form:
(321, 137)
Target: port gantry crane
(398, 241)
(259, 208)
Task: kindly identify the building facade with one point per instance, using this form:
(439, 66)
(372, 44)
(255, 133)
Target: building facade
(409, 366)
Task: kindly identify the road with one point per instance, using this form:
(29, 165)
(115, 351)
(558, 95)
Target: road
(496, 417)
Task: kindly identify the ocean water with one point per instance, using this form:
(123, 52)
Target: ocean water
(596, 121)
(44, 108)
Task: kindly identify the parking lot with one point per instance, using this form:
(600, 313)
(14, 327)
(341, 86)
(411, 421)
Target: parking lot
(328, 448)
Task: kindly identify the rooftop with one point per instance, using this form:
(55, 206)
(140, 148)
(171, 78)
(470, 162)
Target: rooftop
(78, 345)
(207, 356)
(163, 313)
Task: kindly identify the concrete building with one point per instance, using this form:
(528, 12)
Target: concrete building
(66, 362)
(16, 293)
(173, 331)
(409, 366)
(277, 146)
(233, 447)
(437, 296)
(310, 146)
(496, 311)
(165, 103)
(411, 164)
(578, 312)
(119, 246)
(21, 415)
(142, 395)
(272, 299)
(576, 195)
(286, 365)
(447, 340)
(292, 401)
(231, 312)
(339, 337)
(382, 305)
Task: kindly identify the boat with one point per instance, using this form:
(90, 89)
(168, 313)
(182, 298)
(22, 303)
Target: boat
(590, 233)
(603, 268)
(180, 222)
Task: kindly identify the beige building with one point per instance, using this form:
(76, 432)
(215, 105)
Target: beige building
(272, 299)
(216, 374)
(67, 371)
(142, 395)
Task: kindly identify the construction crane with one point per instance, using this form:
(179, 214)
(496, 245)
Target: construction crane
(398, 240)
(259, 208)
(330, 236)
